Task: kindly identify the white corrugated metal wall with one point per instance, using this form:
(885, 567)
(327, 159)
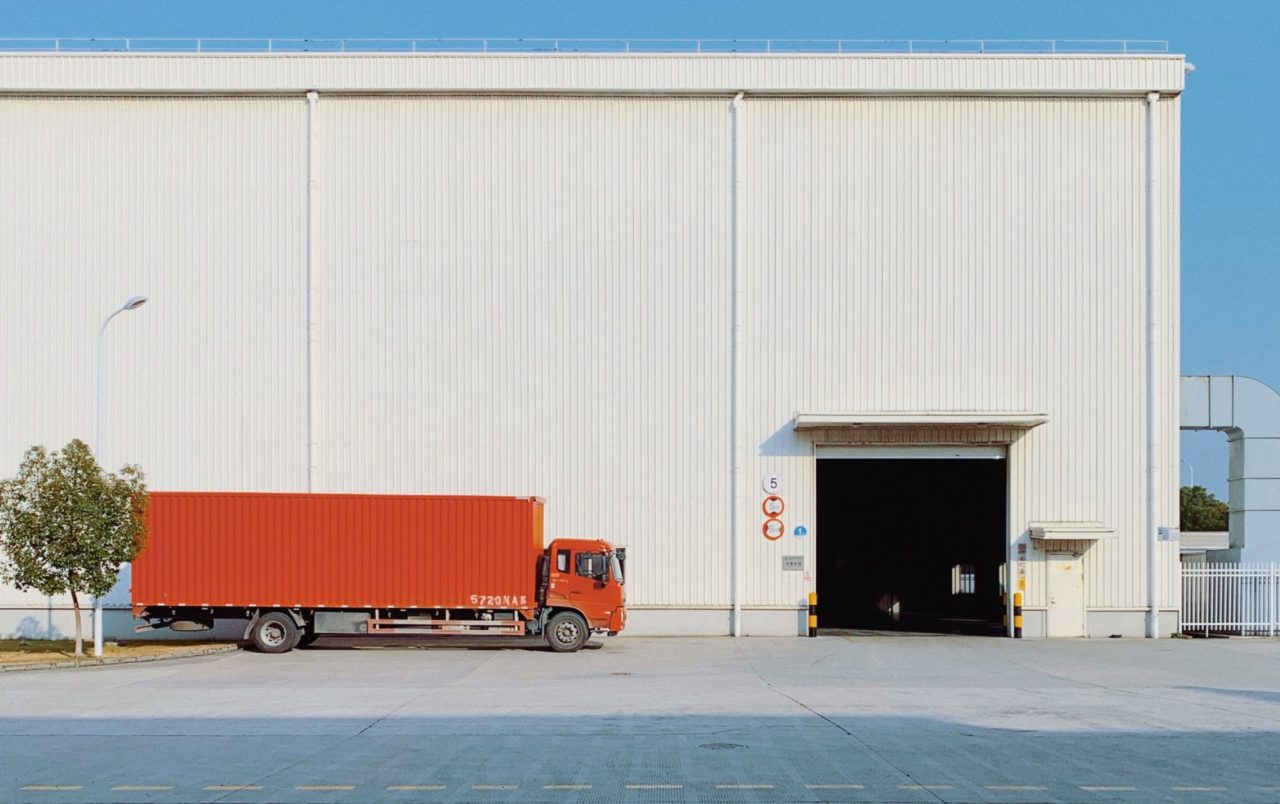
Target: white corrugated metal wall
(530, 295)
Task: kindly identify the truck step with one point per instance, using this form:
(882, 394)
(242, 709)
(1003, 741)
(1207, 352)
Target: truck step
(428, 626)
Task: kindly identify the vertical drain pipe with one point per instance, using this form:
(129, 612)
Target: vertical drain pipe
(1153, 342)
(312, 97)
(738, 448)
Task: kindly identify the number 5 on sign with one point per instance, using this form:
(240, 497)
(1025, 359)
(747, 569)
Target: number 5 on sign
(772, 484)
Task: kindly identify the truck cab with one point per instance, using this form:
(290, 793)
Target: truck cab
(587, 577)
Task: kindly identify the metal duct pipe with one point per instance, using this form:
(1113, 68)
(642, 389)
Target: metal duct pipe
(312, 97)
(1153, 344)
(738, 449)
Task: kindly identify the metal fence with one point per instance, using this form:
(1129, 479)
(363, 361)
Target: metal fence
(222, 45)
(1236, 599)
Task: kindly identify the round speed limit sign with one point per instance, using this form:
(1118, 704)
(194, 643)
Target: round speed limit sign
(773, 506)
(772, 484)
(773, 529)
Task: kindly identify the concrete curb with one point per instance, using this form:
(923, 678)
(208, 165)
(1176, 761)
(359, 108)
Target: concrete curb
(91, 662)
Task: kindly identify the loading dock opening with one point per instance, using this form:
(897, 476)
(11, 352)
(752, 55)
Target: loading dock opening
(910, 543)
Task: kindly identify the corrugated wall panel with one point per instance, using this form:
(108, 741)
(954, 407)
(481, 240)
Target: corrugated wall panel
(521, 296)
(800, 73)
(964, 254)
(197, 204)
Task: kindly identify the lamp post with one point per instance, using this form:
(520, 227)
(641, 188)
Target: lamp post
(1192, 467)
(132, 303)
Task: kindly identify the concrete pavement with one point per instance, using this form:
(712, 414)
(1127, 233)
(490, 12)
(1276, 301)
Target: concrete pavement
(912, 719)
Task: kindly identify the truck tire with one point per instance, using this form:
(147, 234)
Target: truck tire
(274, 632)
(567, 632)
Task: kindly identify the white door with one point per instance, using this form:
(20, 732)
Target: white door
(1066, 595)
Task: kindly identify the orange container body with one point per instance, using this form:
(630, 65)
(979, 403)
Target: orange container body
(339, 550)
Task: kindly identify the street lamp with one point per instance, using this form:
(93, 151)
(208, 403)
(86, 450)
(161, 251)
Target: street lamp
(1190, 466)
(132, 303)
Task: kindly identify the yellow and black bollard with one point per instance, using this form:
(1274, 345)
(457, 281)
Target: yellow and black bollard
(1017, 615)
(813, 614)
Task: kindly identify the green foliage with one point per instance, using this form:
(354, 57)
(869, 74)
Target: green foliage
(66, 526)
(1201, 510)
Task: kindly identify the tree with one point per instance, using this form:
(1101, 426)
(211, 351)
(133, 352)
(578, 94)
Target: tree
(1201, 510)
(66, 526)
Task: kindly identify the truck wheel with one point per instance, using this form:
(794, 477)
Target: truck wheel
(566, 632)
(274, 632)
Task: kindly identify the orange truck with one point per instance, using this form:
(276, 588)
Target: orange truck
(295, 567)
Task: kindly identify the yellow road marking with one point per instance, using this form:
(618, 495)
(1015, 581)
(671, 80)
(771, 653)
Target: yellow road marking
(834, 786)
(1012, 787)
(744, 787)
(566, 787)
(325, 787)
(1102, 789)
(655, 787)
(1190, 789)
(495, 787)
(415, 787)
(141, 788)
(924, 787)
(53, 788)
(231, 788)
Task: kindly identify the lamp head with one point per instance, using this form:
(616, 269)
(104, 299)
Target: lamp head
(134, 303)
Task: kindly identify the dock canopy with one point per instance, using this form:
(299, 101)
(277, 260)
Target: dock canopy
(1003, 419)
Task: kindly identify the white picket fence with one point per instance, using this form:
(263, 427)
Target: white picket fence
(1237, 599)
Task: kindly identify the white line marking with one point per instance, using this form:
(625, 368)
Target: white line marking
(566, 787)
(655, 787)
(1104, 789)
(53, 788)
(325, 787)
(415, 787)
(744, 787)
(834, 786)
(231, 788)
(925, 787)
(1193, 789)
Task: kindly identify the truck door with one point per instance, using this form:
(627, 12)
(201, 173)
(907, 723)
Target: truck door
(579, 578)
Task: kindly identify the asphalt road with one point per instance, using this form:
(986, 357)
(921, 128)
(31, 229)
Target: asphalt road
(912, 719)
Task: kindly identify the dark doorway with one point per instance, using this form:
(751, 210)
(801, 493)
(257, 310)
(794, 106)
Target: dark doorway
(911, 544)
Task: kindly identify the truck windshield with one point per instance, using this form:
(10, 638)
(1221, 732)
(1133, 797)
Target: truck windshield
(615, 566)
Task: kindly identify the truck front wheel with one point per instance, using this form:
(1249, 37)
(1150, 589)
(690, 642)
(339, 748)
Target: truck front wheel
(274, 632)
(567, 632)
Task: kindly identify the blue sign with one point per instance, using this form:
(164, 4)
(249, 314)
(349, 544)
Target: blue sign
(800, 532)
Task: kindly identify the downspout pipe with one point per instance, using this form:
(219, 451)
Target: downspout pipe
(738, 448)
(1153, 354)
(312, 98)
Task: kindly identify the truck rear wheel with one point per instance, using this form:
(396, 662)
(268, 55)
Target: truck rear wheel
(274, 632)
(567, 632)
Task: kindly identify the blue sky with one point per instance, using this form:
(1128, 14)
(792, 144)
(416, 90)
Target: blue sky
(1231, 125)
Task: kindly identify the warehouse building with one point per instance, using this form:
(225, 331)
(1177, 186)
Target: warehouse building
(899, 329)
